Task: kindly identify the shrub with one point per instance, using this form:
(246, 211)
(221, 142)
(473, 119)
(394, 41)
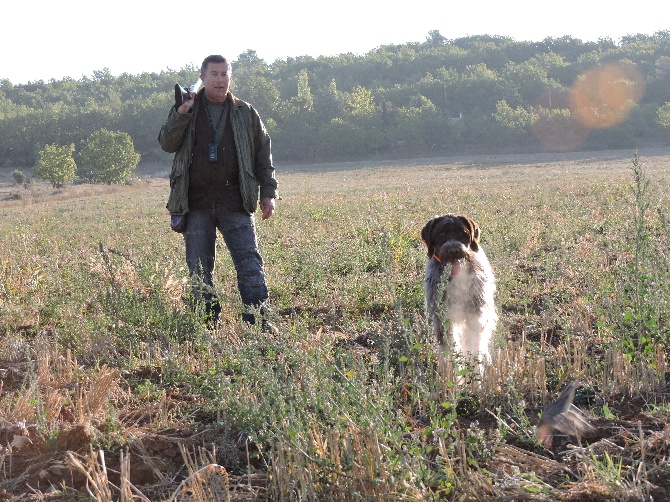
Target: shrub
(18, 177)
(56, 164)
(108, 157)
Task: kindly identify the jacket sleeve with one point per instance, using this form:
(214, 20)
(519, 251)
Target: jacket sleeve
(263, 167)
(172, 133)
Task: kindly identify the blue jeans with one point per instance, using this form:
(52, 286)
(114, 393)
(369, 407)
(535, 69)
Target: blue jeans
(239, 233)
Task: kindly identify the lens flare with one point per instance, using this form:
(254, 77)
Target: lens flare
(600, 98)
(604, 96)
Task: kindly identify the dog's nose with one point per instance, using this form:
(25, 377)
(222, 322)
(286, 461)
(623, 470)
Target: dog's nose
(452, 250)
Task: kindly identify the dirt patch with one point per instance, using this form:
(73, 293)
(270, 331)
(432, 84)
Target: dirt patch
(41, 192)
(154, 456)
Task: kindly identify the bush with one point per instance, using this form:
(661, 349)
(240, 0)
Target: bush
(56, 165)
(108, 157)
(18, 177)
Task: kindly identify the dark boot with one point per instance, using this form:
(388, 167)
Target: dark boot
(212, 312)
(266, 326)
(249, 318)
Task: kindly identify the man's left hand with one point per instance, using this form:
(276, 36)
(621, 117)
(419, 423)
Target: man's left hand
(268, 207)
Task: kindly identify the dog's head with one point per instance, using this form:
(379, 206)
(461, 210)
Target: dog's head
(451, 238)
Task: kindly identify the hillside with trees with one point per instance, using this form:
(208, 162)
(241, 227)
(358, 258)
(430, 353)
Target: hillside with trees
(476, 94)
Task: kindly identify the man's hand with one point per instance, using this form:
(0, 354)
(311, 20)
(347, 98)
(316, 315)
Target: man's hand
(267, 206)
(187, 105)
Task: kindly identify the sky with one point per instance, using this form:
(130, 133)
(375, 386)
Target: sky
(54, 39)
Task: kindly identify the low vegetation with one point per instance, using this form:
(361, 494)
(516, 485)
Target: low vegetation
(113, 389)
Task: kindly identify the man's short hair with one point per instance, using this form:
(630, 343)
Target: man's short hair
(214, 58)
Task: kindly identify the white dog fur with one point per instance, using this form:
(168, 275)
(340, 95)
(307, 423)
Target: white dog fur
(459, 286)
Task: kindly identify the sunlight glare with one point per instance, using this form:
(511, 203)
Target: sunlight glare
(603, 96)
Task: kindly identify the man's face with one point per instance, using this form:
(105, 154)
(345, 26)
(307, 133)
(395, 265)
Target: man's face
(216, 80)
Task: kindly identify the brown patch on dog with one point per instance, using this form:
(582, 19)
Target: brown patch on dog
(450, 227)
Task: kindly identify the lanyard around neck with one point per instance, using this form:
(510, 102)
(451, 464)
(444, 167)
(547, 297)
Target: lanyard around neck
(218, 123)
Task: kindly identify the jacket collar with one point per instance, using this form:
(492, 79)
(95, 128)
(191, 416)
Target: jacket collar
(232, 98)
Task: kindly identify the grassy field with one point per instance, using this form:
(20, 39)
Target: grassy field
(113, 389)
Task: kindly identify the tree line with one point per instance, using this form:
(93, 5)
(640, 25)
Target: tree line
(477, 93)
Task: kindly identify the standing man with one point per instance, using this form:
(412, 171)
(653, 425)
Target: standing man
(222, 167)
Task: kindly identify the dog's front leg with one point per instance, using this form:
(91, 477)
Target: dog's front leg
(473, 339)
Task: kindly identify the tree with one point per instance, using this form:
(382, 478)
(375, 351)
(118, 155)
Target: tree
(261, 92)
(108, 157)
(249, 58)
(340, 139)
(361, 103)
(304, 99)
(139, 117)
(435, 38)
(513, 122)
(329, 103)
(558, 129)
(663, 116)
(469, 75)
(56, 165)
(419, 125)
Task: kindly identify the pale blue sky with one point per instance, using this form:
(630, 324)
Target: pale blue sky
(46, 39)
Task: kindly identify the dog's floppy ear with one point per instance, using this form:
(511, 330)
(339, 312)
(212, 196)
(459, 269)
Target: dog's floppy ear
(474, 232)
(475, 237)
(426, 235)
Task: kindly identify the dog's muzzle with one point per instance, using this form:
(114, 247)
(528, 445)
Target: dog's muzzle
(453, 253)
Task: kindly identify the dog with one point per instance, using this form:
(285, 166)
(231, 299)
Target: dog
(459, 286)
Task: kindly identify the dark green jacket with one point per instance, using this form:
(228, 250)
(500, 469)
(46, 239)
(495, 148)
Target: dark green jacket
(252, 142)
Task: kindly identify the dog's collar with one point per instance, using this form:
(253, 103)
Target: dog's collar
(437, 258)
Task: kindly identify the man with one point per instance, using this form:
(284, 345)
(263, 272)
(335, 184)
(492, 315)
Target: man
(221, 168)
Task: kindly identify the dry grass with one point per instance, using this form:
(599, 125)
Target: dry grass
(112, 389)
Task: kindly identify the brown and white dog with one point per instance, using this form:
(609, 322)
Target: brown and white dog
(459, 285)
